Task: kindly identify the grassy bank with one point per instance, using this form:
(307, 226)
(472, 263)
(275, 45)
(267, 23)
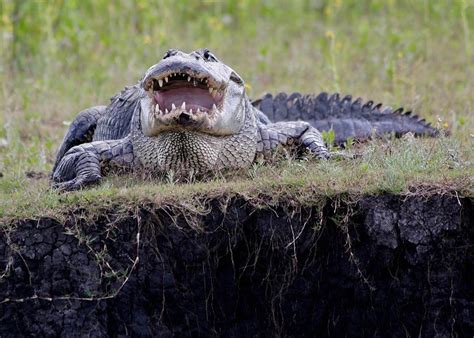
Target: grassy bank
(60, 57)
(407, 166)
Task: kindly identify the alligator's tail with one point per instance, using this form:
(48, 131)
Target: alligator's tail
(348, 118)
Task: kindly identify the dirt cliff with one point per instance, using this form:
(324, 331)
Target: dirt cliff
(378, 266)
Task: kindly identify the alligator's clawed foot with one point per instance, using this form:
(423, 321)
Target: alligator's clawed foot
(79, 168)
(77, 183)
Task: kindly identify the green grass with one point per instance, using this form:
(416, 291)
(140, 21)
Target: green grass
(408, 166)
(59, 57)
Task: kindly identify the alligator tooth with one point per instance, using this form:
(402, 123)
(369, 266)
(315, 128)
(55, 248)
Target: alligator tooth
(166, 110)
(210, 90)
(214, 107)
(173, 107)
(190, 111)
(166, 79)
(214, 92)
(198, 111)
(194, 82)
(183, 106)
(189, 78)
(160, 82)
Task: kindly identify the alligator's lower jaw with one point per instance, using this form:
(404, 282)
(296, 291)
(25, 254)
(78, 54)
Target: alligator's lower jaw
(191, 108)
(180, 118)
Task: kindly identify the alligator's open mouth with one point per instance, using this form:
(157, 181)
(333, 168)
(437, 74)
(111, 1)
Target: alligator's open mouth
(184, 92)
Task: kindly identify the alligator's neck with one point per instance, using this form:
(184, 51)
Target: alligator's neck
(188, 151)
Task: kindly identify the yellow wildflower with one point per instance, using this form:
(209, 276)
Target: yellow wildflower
(329, 34)
(215, 23)
(7, 23)
(327, 11)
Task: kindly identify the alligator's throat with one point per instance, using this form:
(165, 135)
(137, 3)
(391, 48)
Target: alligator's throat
(178, 151)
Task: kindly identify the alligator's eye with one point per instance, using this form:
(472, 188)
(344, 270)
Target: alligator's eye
(208, 56)
(169, 53)
(236, 78)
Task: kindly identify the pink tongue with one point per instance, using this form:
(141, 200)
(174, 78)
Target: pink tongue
(194, 98)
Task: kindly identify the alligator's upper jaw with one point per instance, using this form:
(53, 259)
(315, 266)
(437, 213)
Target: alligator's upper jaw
(184, 93)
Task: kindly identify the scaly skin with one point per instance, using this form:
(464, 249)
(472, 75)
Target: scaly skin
(81, 130)
(348, 118)
(84, 165)
(141, 132)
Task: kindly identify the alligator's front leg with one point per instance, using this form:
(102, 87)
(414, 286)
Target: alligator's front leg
(284, 133)
(81, 130)
(83, 165)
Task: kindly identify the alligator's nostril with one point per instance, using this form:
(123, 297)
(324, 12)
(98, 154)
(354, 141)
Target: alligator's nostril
(169, 53)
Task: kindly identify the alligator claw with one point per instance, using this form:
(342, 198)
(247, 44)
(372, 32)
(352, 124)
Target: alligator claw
(77, 183)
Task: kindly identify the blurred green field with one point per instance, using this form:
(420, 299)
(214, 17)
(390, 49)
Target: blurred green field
(58, 57)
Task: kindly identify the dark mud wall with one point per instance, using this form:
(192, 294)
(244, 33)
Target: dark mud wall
(383, 266)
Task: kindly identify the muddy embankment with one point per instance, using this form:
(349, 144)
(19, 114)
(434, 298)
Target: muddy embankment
(380, 266)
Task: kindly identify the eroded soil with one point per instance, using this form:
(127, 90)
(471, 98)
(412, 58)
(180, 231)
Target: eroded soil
(381, 266)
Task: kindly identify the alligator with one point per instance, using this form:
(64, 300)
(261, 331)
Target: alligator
(190, 114)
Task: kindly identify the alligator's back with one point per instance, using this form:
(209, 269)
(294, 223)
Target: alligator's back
(115, 123)
(348, 118)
